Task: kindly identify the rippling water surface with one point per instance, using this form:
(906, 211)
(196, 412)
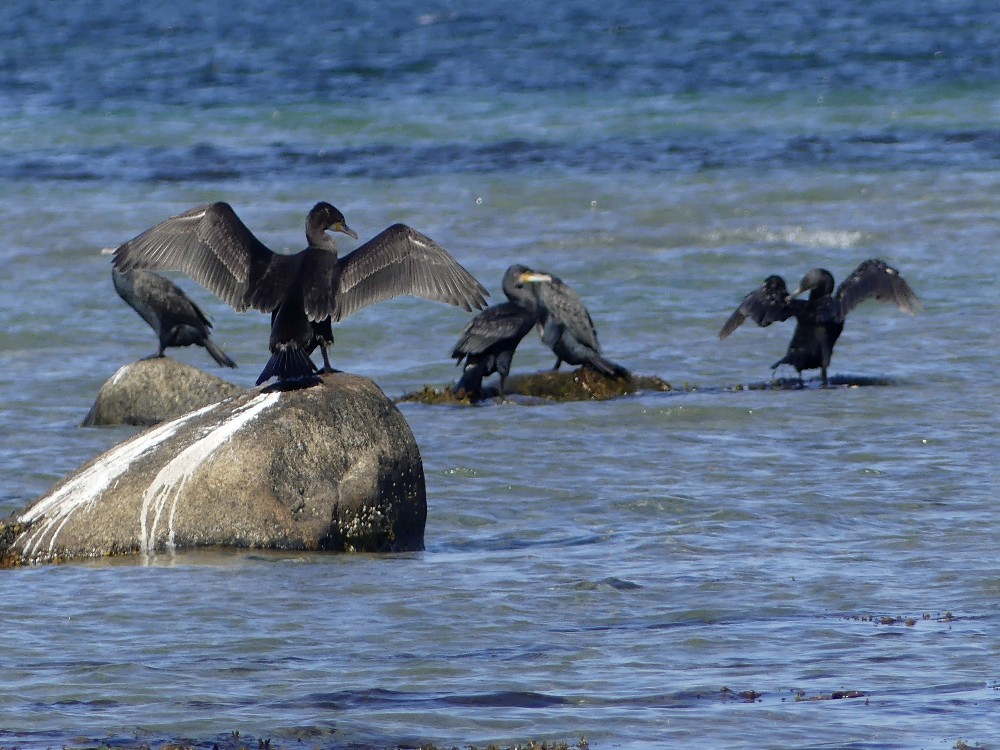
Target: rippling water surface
(705, 567)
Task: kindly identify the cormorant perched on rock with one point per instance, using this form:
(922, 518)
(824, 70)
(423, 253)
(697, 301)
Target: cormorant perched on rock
(322, 337)
(821, 317)
(488, 342)
(566, 326)
(214, 247)
(169, 311)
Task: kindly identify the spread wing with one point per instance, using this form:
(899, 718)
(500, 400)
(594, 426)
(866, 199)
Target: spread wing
(401, 260)
(874, 279)
(567, 309)
(765, 305)
(208, 243)
(504, 323)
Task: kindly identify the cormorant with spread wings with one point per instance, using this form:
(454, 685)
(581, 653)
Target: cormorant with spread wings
(214, 247)
(821, 317)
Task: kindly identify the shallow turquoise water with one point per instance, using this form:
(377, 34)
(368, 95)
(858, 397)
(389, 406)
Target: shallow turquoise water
(591, 569)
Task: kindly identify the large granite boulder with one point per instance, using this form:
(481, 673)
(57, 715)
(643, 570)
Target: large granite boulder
(154, 390)
(331, 467)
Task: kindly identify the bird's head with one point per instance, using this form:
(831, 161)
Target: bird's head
(776, 286)
(325, 217)
(818, 282)
(517, 276)
(516, 281)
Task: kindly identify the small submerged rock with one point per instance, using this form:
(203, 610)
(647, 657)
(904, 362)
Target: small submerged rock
(793, 384)
(332, 467)
(585, 384)
(582, 384)
(154, 390)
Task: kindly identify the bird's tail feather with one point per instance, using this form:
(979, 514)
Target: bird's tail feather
(217, 354)
(609, 368)
(286, 363)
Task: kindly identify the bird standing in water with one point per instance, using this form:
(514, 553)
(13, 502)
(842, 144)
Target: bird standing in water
(820, 319)
(169, 311)
(488, 342)
(214, 247)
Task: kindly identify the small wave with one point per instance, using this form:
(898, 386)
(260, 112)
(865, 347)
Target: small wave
(791, 235)
(345, 699)
(505, 699)
(213, 161)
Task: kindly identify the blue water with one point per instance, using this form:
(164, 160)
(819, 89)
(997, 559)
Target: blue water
(705, 567)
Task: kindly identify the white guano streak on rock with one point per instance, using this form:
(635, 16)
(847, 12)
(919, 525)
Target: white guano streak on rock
(119, 373)
(51, 513)
(170, 480)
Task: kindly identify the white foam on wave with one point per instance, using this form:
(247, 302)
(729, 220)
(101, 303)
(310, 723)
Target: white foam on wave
(791, 235)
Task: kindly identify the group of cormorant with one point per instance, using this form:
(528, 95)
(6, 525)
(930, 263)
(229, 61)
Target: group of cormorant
(534, 299)
(306, 292)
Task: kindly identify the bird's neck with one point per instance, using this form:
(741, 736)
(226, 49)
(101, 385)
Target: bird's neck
(320, 240)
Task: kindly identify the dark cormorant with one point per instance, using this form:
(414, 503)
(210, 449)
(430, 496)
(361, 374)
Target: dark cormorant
(487, 344)
(214, 247)
(322, 337)
(821, 317)
(566, 326)
(169, 311)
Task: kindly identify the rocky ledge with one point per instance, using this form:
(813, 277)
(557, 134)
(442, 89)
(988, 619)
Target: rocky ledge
(331, 467)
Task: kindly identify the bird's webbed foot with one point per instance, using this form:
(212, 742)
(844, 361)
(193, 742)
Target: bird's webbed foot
(327, 367)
